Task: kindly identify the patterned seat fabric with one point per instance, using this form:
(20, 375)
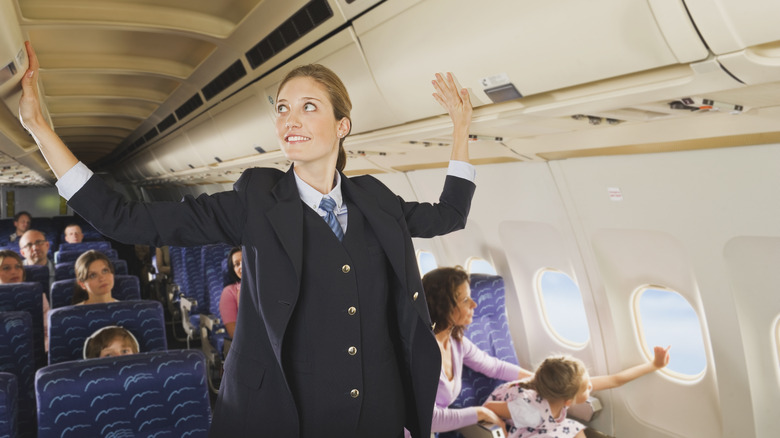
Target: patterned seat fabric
(86, 246)
(38, 274)
(9, 394)
(71, 326)
(27, 297)
(141, 395)
(16, 353)
(72, 256)
(67, 270)
(126, 288)
(489, 331)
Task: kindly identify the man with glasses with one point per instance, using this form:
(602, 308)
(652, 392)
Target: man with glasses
(35, 249)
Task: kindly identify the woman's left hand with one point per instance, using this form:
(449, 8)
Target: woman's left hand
(454, 99)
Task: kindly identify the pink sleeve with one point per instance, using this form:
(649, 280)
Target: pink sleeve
(446, 419)
(486, 364)
(228, 304)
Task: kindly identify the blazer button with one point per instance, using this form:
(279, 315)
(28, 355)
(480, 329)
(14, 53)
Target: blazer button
(433, 326)
(345, 269)
(352, 310)
(416, 294)
(354, 393)
(352, 351)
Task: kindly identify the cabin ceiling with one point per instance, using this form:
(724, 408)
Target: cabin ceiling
(122, 78)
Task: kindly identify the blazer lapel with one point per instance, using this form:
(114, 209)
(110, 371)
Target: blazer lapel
(286, 218)
(386, 227)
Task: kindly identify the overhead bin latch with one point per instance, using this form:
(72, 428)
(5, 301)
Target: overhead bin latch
(499, 88)
(704, 104)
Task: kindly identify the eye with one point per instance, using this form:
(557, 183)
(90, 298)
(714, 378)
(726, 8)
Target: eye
(309, 107)
(281, 109)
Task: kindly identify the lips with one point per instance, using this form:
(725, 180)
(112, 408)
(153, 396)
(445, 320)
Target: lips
(296, 138)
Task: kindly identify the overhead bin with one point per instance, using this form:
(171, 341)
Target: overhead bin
(744, 34)
(534, 46)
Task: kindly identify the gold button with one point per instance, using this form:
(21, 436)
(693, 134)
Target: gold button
(416, 294)
(351, 310)
(354, 393)
(345, 269)
(433, 326)
(352, 351)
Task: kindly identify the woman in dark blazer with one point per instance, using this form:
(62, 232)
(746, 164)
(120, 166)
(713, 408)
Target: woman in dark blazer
(333, 336)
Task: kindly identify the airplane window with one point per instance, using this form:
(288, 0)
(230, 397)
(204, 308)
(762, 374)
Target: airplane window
(562, 307)
(666, 318)
(476, 265)
(426, 261)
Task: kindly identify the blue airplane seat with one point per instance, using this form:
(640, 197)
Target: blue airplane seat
(70, 326)
(155, 394)
(16, 357)
(27, 297)
(214, 261)
(38, 274)
(9, 400)
(189, 276)
(72, 256)
(86, 246)
(489, 331)
(66, 270)
(126, 288)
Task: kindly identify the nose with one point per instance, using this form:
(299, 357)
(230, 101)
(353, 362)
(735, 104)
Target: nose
(473, 304)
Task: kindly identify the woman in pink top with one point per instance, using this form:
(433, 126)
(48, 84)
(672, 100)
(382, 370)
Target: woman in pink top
(228, 301)
(449, 302)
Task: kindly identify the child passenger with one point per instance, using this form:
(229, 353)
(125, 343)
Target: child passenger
(537, 407)
(110, 341)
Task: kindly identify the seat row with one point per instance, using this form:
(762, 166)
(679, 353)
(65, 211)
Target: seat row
(157, 391)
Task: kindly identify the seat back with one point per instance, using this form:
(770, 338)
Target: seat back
(70, 326)
(67, 270)
(16, 354)
(9, 399)
(146, 394)
(38, 274)
(99, 245)
(27, 297)
(489, 331)
(212, 259)
(71, 256)
(126, 288)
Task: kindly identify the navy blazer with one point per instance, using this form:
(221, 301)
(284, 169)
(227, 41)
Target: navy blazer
(264, 214)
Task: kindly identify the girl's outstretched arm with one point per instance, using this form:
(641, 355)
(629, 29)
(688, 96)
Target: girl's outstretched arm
(660, 360)
(59, 157)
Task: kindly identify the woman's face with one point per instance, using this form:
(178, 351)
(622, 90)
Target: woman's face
(307, 131)
(236, 258)
(100, 279)
(464, 309)
(11, 271)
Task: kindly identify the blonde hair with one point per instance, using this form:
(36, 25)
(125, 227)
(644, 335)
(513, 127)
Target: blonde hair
(558, 378)
(337, 93)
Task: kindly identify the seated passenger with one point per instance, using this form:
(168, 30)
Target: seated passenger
(537, 407)
(110, 341)
(35, 249)
(22, 222)
(94, 279)
(73, 233)
(12, 271)
(228, 301)
(449, 300)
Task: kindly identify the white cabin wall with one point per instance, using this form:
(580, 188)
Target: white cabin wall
(697, 207)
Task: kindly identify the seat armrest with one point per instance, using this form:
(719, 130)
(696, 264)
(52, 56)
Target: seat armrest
(585, 411)
(482, 430)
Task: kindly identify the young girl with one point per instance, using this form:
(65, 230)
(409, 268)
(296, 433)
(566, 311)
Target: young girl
(537, 407)
(110, 341)
(94, 279)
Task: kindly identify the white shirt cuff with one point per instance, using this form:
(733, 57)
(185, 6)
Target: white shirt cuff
(73, 180)
(462, 169)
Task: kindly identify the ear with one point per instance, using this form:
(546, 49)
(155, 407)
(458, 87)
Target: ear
(82, 284)
(344, 127)
(568, 403)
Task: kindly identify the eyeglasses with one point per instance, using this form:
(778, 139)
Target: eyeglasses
(37, 243)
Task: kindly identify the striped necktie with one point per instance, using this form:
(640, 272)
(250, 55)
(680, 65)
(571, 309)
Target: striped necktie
(329, 205)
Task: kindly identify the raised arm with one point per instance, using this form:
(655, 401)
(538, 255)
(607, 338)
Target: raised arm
(660, 360)
(59, 157)
(457, 102)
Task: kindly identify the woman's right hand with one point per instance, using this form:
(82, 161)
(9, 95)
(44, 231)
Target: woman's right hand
(486, 415)
(30, 113)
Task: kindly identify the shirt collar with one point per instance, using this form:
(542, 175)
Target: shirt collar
(312, 197)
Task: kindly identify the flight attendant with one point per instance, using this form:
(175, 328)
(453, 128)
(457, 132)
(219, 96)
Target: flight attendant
(333, 335)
